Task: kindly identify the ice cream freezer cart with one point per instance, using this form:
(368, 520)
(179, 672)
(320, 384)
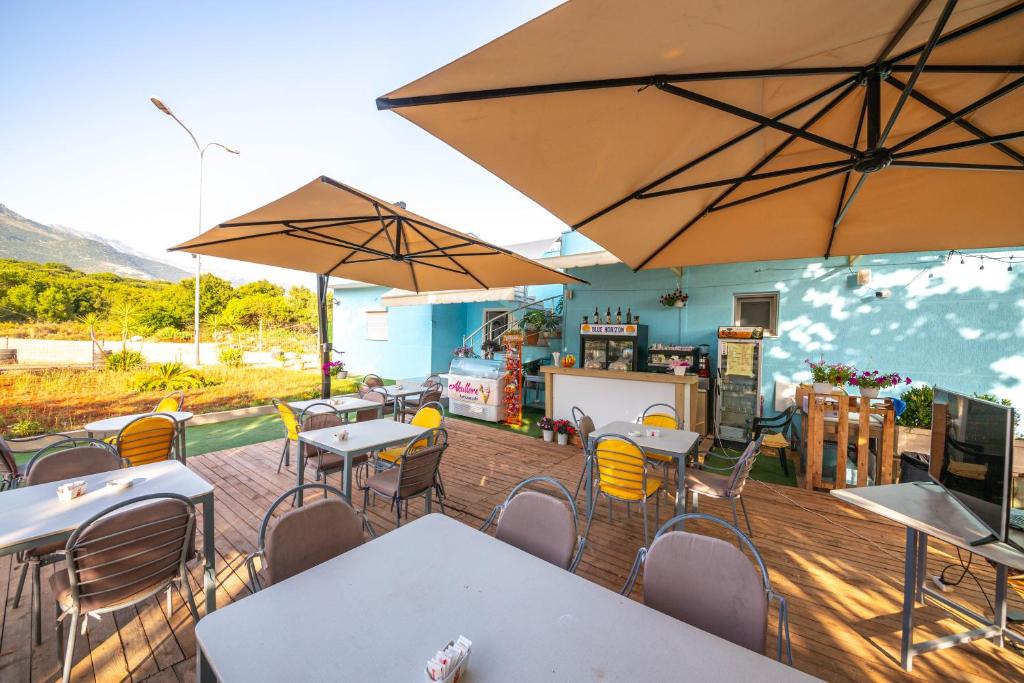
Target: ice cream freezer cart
(476, 387)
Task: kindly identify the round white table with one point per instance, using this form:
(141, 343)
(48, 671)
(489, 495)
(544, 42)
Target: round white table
(116, 424)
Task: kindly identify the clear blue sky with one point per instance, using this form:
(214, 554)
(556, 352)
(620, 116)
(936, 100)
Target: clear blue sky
(292, 85)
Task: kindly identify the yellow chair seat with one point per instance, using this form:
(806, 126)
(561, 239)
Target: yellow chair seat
(391, 454)
(112, 440)
(659, 457)
(775, 441)
(631, 493)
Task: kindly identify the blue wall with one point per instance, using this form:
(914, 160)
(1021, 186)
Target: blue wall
(960, 327)
(406, 352)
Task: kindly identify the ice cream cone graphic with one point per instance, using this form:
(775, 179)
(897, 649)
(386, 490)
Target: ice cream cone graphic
(485, 393)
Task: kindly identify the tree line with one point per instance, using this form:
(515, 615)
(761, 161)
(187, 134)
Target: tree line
(56, 293)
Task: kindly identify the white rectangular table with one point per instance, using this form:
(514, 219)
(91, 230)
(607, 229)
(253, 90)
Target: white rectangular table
(382, 609)
(400, 392)
(31, 516)
(363, 437)
(672, 443)
(343, 404)
(927, 509)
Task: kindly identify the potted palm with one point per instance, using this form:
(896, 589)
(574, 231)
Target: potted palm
(547, 428)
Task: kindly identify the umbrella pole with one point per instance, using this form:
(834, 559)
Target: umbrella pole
(321, 334)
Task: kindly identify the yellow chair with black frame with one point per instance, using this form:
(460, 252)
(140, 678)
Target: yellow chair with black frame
(662, 416)
(429, 416)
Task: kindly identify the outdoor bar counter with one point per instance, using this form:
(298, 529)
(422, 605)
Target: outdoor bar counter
(610, 395)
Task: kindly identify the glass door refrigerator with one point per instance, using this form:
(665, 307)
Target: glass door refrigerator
(739, 398)
(613, 347)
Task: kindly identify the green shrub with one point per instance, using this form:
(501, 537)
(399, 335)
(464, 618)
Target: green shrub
(22, 427)
(171, 334)
(123, 361)
(919, 407)
(231, 357)
(171, 377)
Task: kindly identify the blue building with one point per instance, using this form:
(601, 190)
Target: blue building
(954, 321)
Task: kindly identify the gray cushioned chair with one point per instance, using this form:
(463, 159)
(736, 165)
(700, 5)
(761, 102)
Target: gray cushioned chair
(539, 523)
(709, 583)
(584, 428)
(415, 473)
(726, 486)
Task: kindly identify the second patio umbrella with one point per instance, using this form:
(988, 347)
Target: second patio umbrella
(682, 132)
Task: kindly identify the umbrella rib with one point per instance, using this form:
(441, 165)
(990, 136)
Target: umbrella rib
(831, 104)
(991, 140)
(746, 178)
(385, 225)
(846, 207)
(753, 116)
(926, 52)
(846, 179)
(849, 83)
(958, 115)
(964, 31)
(430, 251)
(966, 125)
(952, 166)
(344, 219)
(902, 31)
(352, 253)
(783, 188)
(332, 241)
(450, 258)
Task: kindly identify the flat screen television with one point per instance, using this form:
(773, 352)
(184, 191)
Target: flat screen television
(972, 456)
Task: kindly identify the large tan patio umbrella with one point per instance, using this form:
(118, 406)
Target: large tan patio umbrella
(328, 228)
(682, 132)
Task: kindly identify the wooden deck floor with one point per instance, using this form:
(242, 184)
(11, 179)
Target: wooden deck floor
(841, 571)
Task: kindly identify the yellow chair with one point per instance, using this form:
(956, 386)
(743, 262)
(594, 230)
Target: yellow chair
(429, 416)
(171, 403)
(147, 439)
(622, 475)
(662, 416)
(291, 428)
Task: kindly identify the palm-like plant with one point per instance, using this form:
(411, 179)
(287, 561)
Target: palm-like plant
(170, 377)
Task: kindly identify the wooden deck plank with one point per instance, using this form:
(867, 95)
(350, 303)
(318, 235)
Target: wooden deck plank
(840, 568)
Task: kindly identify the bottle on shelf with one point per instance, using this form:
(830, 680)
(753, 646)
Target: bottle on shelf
(585, 321)
(629, 315)
(618, 315)
(608, 316)
(597, 316)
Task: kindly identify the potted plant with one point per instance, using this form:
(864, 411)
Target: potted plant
(563, 430)
(533, 322)
(870, 382)
(463, 352)
(679, 366)
(552, 325)
(547, 428)
(829, 376)
(676, 298)
(334, 368)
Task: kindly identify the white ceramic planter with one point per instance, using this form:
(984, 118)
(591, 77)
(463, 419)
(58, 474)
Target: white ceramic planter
(679, 304)
(869, 392)
(548, 434)
(822, 388)
(563, 439)
(681, 370)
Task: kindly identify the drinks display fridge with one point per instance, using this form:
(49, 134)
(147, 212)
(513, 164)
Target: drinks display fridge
(613, 347)
(739, 398)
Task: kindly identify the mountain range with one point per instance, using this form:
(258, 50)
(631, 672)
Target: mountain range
(26, 240)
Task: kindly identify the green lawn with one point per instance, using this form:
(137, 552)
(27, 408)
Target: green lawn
(231, 434)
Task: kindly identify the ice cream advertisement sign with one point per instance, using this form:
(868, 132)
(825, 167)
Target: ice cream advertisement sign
(470, 390)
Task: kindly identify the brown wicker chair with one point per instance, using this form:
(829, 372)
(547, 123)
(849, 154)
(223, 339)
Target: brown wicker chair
(376, 396)
(321, 416)
(69, 459)
(121, 557)
(410, 406)
(305, 536)
(414, 474)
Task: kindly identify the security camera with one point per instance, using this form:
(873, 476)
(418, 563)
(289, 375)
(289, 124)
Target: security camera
(883, 293)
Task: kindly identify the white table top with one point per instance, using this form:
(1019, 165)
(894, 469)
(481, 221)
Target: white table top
(670, 442)
(33, 513)
(116, 424)
(929, 508)
(390, 604)
(343, 403)
(362, 436)
(402, 390)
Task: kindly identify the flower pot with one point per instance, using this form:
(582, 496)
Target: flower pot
(681, 370)
(532, 338)
(679, 303)
(563, 439)
(548, 434)
(869, 392)
(342, 374)
(822, 388)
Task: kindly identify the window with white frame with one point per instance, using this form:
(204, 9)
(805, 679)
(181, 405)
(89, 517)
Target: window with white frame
(757, 310)
(495, 323)
(377, 325)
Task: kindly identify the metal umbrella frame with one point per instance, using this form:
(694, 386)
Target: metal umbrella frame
(868, 153)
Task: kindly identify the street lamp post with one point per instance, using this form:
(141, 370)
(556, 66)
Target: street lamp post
(158, 103)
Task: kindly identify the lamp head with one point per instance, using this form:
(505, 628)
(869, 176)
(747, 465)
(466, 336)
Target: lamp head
(158, 103)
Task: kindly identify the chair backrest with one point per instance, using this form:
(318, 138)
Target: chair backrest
(370, 381)
(429, 416)
(433, 381)
(539, 523)
(8, 464)
(288, 417)
(147, 439)
(375, 395)
(171, 403)
(741, 470)
(584, 426)
(708, 583)
(432, 395)
(622, 464)
(661, 415)
(119, 556)
(84, 457)
(319, 416)
(309, 535)
(417, 468)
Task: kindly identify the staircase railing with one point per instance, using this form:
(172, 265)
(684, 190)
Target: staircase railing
(508, 319)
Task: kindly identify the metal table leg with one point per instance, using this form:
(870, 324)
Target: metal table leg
(910, 589)
(680, 481)
(300, 468)
(204, 672)
(1000, 604)
(346, 477)
(209, 555)
(922, 565)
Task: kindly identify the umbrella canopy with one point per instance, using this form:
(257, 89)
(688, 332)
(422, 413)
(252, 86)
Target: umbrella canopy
(329, 228)
(683, 132)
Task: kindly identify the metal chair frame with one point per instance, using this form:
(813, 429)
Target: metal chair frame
(581, 539)
(588, 456)
(308, 412)
(744, 541)
(35, 563)
(286, 451)
(12, 475)
(437, 438)
(642, 502)
(781, 424)
(746, 458)
(255, 585)
(68, 652)
(178, 394)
